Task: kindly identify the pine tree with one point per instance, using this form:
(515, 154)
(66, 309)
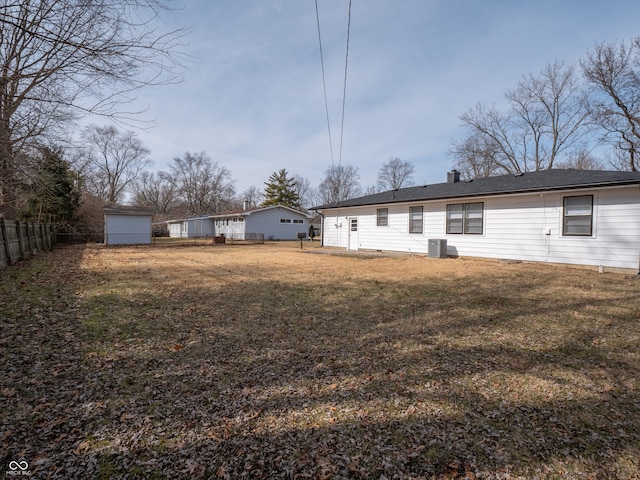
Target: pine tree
(281, 190)
(54, 197)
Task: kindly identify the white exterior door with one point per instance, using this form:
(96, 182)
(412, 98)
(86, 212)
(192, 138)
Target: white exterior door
(353, 233)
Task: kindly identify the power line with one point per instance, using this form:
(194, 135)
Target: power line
(344, 91)
(324, 83)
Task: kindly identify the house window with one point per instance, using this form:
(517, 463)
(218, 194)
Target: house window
(465, 218)
(415, 219)
(382, 217)
(577, 218)
(285, 220)
(297, 220)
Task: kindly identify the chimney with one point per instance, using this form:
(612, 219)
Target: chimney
(245, 205)
(453, 176)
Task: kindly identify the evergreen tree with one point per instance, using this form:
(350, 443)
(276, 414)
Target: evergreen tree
(53, 196)
(281, 190)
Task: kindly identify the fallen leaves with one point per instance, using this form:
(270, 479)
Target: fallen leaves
(265, 362)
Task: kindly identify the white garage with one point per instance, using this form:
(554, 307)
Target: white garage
(125, 225)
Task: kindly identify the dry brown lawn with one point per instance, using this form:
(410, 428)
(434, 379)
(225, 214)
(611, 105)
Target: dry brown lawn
(266, 361)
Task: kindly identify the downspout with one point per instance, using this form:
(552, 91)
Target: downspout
(321, 228)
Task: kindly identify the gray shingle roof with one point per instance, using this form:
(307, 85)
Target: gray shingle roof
(546, 180)
(127, 210)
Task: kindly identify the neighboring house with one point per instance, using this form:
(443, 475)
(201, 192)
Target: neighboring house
(127, 225)
(192, 227)
(275, 222)
(568, 216)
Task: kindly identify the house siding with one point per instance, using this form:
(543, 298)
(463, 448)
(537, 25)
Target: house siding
(268, 222)
(192, 228)
(514, 227)
(127, 229)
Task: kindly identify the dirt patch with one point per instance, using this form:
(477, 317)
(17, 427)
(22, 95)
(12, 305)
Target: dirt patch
(268, 361)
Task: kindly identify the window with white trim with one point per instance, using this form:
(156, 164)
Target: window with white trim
(465, 218)
(285, 220)
(577, 216)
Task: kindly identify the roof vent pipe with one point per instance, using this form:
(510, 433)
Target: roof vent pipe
(453, 176)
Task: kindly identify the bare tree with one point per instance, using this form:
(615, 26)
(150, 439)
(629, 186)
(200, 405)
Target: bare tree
(60, 59)
(547, 118)
(202, 186)
(613, 70)
(253, 196)
(395, 173)
(154, 190)
(581, 159)
(475, 156)
(306, 193)
(341, 182)
(114, 160)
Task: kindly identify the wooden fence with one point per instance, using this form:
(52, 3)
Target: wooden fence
(22, 239)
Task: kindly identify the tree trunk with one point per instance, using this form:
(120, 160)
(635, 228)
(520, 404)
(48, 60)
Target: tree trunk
(7, 178)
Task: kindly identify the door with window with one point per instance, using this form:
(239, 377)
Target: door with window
(353, 233)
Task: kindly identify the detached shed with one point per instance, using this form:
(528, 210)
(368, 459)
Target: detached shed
(127, 225)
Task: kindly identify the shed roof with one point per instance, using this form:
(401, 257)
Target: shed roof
(127, 210)
(547, 180)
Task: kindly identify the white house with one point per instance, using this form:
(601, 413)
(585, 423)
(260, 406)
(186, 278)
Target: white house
(124, 225)
(568, 216)
(275, 222)
(192, 227)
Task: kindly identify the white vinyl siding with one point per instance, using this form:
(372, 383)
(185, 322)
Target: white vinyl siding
(519, 227)
(127, 229)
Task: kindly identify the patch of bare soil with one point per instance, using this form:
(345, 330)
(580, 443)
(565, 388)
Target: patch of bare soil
(268, 361)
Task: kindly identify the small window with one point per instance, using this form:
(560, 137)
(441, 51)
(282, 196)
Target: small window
(415, 220)
(298, 220)
(465, 218)
(382, 217)
(285, 220)
(578, 216)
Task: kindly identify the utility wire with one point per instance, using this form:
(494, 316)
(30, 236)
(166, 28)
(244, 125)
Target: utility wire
(344, 92)
(324, 83)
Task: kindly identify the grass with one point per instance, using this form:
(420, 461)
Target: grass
(267, 361)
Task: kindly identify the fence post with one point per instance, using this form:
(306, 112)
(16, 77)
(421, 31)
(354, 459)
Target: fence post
(32, 248)
(5, 241)
(19, 235)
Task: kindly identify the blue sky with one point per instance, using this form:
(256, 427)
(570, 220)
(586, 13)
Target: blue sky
(252, 95)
